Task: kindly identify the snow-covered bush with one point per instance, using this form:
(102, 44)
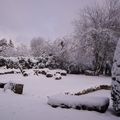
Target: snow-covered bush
(24, 63)
(10, 63)
(2, 61)
(99, 104)
(29, 62)
(58, 76)
(116, 80)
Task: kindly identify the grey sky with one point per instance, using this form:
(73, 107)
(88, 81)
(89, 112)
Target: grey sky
(22, 20)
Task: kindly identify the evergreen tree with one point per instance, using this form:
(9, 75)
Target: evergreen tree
(115, 93)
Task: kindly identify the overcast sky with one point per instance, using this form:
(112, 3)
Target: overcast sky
(21, 20)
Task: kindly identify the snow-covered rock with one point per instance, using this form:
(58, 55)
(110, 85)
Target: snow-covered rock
(99, 104)
(62, 72)
(58, 76)
(44, 71)
(49, 74)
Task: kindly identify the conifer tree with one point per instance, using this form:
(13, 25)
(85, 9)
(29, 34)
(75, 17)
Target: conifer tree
(115, 93)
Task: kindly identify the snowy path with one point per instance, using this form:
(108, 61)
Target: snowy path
(32, 105)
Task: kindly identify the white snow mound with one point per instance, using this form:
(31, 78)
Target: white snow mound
(99, 104)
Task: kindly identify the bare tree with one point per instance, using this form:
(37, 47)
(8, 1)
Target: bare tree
(3, 46)
(61, 52)
(97, 32)
(39, 46)
(10, 50)
(22, 50)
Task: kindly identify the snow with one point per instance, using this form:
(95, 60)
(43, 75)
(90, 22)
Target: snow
(4, 70)
(9, 86)
(49, 86)
(32, 105)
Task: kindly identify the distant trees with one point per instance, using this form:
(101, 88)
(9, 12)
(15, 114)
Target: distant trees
(39, 46)
(22, 50)
(3, 46)
(10, 49)
(61, 52)
(7, 48)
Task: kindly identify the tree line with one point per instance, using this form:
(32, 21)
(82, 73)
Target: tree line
(90, 47)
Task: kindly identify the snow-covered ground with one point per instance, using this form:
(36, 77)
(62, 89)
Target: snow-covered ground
(32, 105)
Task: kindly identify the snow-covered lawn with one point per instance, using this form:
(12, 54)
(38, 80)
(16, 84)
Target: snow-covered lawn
(32, 105)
